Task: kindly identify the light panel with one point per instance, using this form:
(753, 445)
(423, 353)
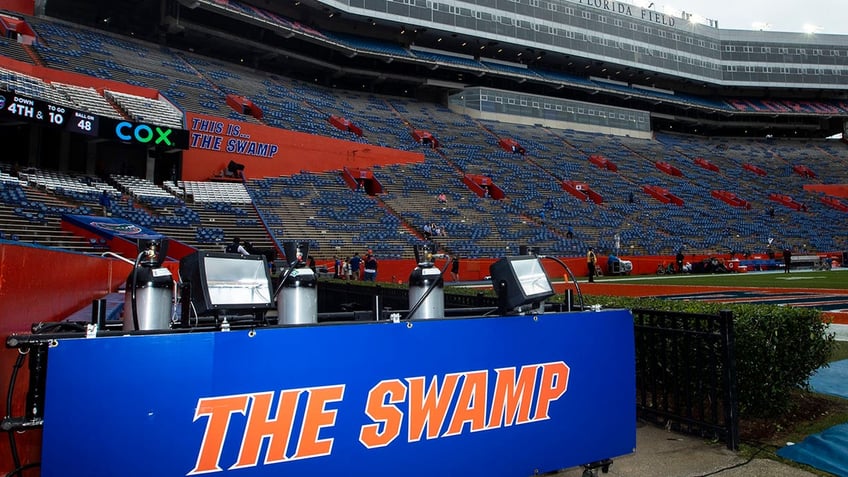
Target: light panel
(228, 283)
(520, 282)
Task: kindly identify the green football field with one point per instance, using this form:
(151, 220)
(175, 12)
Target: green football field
(833, 279)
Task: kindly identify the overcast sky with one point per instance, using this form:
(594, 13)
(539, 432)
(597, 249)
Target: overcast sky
(782, 15)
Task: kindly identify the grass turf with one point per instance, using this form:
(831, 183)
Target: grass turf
(833, 280)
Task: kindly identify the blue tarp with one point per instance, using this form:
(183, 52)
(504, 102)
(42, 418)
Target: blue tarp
(826, 450)
(832, 380)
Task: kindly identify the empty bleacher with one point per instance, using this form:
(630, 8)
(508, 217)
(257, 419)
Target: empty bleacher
(320, 209)
(142, 109)
(87, 99)
(214, 192)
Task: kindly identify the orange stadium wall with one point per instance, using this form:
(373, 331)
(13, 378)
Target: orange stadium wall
(43, 285)
(27, 7)
(269, 152)
(67, 77)
(397, 271)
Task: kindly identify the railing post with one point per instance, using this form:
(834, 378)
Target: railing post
(378, 303)
(731, 405)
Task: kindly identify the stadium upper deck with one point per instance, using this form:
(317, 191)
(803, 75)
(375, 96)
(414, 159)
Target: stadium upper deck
(609, 36)
(602, 52)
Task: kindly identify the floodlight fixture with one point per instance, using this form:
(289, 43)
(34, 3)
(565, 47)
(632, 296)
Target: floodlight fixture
(296, 253)
(528, 250)
(425, 254)
(152, 249)
(224, 283)
(520, 283)
(235, 168)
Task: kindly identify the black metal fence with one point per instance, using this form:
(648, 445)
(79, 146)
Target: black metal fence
(685, 364)
(345, 296)
(686, 373)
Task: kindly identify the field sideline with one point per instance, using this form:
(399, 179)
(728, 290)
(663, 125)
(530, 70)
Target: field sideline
(836, 279)
(824, 290)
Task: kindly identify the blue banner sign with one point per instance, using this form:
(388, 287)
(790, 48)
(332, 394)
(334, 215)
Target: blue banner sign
(497, 396)
(111, 227)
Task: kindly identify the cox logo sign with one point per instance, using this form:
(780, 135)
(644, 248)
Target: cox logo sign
(127, 131)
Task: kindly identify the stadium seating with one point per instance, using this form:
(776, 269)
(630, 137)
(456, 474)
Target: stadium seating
(142, 109)
(319, 208)
(87, 99)
(203, 192)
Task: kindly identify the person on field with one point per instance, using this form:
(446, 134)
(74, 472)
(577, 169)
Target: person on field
(591, 261)
(370, 268)
(355, 264)
(236, 247)
(787, 258)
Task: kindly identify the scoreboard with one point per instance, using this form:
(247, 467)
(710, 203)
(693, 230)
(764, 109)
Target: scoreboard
(35, 111)
(15, 106)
